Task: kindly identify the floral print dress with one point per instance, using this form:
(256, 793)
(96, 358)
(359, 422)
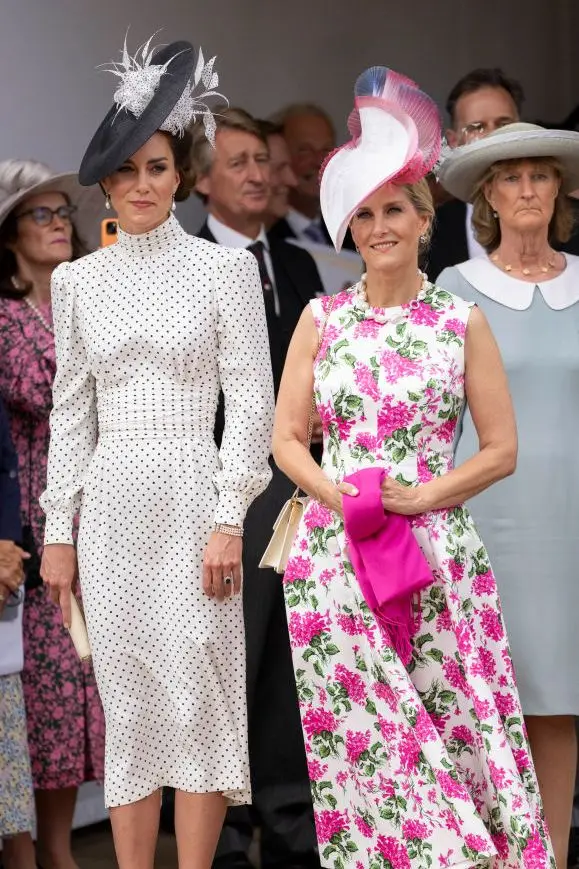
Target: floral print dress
(63, 709)
(426, 765)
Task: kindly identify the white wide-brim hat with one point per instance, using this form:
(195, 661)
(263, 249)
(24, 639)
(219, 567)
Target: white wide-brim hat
(21, 179)
(395, 130)
(463, 167)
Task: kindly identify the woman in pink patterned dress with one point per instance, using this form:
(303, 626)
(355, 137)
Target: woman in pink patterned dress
(418, 762)
(64, 715)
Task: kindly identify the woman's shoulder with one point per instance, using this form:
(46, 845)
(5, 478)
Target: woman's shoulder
(445, 300)
(324, 306)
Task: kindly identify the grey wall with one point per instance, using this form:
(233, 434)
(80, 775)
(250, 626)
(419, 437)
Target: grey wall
(270, 52)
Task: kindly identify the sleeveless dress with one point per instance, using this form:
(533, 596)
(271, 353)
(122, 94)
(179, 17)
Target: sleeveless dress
(427, 765)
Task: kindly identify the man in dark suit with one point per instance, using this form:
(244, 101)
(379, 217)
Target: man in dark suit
(233, 179)
(482, 101)
(310, 137)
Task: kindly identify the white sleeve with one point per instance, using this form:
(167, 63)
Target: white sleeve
(247, 384)
(73, 420)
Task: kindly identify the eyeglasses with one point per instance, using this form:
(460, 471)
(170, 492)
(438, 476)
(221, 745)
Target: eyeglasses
(480, 129)
(42, 215)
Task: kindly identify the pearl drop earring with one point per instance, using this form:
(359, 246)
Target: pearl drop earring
(173, 206)
(108, 201)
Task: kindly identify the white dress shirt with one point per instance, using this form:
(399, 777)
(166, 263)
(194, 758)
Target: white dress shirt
(229, 237)
(474, 248)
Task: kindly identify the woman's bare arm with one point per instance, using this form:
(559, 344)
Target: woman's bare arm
(491, 408)
(290, 431)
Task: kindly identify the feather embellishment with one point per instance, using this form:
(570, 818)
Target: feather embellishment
(140, 77)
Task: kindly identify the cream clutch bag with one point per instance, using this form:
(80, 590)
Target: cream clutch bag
(286, 525)
(77, 630)
(284, 532)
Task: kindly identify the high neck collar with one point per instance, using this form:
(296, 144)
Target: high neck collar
(156, 241)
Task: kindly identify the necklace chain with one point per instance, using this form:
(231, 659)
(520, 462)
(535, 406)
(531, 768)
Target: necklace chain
(34, 308)
(370, 313)
(525, 270)
(40, 316)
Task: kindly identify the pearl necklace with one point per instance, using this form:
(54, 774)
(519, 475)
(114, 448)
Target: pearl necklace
(551, 266)
(39, 315)
(362, 303)
(34, 308)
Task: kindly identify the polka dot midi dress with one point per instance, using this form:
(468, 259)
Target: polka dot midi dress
(147, 332)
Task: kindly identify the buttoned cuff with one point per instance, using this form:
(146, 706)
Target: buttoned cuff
(231, 508)
(58, 528)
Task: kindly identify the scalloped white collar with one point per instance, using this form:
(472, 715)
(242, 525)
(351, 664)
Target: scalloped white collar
(559, 293)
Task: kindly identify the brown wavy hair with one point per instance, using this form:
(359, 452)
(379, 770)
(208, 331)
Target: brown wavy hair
(8, 266)
(181, 149)
(487, 228)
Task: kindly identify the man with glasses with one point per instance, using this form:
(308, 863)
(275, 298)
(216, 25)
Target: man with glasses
(482, 101)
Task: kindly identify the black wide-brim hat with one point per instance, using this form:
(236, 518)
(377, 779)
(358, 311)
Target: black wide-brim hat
(121, 134)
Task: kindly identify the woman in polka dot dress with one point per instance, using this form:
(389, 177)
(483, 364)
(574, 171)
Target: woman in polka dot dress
(148, 331)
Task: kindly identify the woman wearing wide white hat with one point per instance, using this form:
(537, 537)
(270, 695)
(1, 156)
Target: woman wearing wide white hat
(411, 758)
(517, 178)
(45, 219)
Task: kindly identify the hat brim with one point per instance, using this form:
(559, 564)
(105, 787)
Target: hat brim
(464, 167)
(88, 200)
(121, 134)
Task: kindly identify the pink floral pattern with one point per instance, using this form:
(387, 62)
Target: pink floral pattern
(63, 710)
(426, 766)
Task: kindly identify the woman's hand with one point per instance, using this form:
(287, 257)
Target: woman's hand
(59, 570)
(406, 500)
(332, 494)
(11, 566)
(222, 560)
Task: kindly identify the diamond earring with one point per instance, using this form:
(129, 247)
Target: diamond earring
(423, 238)
(108, 201)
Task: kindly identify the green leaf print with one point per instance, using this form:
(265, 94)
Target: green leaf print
(371, 707)
(398, 454)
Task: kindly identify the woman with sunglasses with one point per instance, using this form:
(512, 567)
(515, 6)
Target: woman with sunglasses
(63, 711)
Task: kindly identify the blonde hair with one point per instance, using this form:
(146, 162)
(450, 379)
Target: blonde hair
(487, 227)
(421, 198)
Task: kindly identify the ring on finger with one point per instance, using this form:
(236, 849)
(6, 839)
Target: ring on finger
(228, 580)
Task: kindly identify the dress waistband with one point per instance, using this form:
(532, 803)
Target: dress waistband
(147, 410)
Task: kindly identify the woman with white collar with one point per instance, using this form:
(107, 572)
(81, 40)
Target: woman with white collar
(517, 179)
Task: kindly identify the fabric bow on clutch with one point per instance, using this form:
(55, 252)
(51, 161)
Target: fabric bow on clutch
(387, 560)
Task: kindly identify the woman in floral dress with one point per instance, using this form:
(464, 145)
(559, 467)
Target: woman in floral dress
(63, 711)
(422, 762)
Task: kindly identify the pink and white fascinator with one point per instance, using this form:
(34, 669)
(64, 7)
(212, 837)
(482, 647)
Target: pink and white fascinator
(396, 137)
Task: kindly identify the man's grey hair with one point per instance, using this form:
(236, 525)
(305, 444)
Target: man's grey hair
(294, 110)
(226, 118)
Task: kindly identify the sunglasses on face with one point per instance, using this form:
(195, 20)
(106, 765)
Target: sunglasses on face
(42, 215)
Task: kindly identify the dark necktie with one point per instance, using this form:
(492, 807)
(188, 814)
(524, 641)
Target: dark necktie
(315, 232)
(257, 249)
